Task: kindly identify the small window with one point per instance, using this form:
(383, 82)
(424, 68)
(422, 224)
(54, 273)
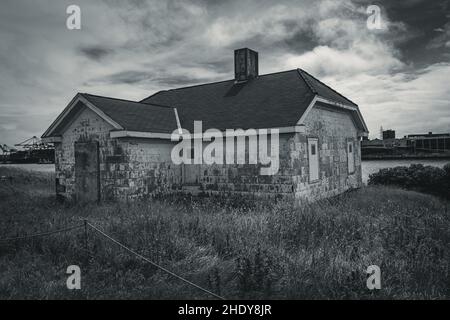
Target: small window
(350, 148)
(313, 149)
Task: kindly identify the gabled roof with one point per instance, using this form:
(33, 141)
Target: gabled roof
(323, 90)
(276, 100)
(268, 101)
(121, 114)
(136, 116)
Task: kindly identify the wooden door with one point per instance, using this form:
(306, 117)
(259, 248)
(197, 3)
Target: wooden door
(313, 157)
(87, 177)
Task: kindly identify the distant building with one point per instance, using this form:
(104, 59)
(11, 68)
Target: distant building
(372, 143)
(413, 144)
(388, 134)
(430, 142)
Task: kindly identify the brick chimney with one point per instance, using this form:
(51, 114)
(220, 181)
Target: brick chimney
(245, 64)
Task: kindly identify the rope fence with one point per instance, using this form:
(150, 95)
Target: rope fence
(42, 234)
(87, 224)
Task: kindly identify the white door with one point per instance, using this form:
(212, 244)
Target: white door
(313, 157)
(350, 157)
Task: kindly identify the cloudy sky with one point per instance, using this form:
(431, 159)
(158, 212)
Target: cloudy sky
(399, 75)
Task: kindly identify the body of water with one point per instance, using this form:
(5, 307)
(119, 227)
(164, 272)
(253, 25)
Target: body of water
(368, 166)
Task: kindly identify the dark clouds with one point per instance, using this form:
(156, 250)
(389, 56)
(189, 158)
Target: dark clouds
(130, 49)
(95, 52)
(421, 19)
(142, 78)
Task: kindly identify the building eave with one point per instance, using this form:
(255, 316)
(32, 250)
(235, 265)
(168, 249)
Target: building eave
(355, 109)
(232, 133)
(79, 98)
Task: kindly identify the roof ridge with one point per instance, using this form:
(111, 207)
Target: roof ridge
(154, 94)
(308, 83)
(211, 83)
(125, 100)
(327, 86)
(187, 87)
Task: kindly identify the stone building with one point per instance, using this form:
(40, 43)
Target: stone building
(107, 148)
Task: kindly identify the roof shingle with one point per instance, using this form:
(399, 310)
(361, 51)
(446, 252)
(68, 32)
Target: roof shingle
(135, 116)
(268, 101)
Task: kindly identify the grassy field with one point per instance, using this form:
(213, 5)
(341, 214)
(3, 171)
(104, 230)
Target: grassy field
(236, 250)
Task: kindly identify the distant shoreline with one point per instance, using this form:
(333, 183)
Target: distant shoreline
(405, 157)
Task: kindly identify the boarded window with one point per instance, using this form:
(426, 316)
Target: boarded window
(350, 157)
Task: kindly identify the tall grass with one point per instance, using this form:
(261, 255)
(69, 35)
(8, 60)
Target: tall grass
(254, 250)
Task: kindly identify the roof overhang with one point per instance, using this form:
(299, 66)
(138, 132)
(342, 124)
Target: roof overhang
(195, 135)
(78, 98)
(364, 130)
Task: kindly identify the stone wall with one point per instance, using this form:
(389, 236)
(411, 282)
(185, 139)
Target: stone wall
(129, 168)
(147, 170)
(87, 126)
(333, 129)
(245, 179)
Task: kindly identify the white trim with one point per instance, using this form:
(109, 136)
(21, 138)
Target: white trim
(337, 104)
(348, 107)
(180, 130)
(78, 97)
(156, 135)
(100, 113)
(366, 130)
(318, 98)
(310, 106)
(60, 116)
(299, 128)
(139, 134)
(363, 134)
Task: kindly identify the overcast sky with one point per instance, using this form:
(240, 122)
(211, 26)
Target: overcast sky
(399, 75)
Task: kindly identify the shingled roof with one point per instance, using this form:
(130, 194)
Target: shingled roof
(323, 90)
(273, 100)
(136, 116)
(268, 101)
(121, 114)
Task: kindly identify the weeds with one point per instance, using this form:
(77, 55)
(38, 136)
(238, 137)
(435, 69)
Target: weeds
(233, 248)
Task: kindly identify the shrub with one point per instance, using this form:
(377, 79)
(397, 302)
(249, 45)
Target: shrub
(427, 179)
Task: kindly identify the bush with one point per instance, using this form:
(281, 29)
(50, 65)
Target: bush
(427, 179)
